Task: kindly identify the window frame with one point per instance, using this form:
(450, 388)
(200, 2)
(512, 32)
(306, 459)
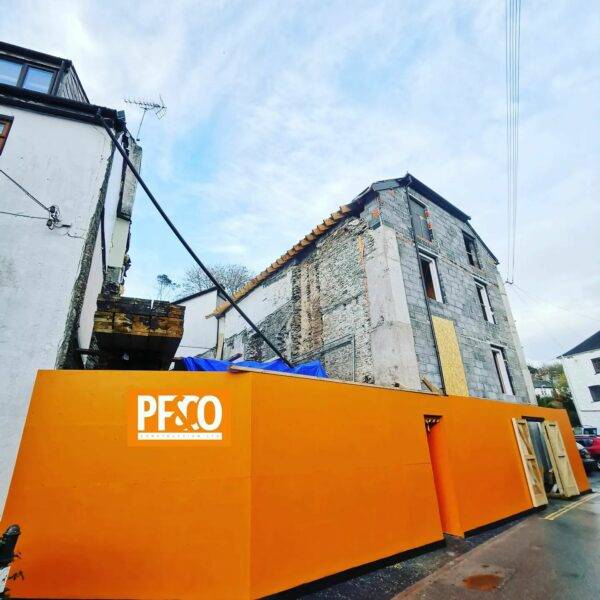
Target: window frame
(424, 220)
(596, 389)
(6, 121)
(484, 302)
(596, 365)
(435, 275)
(472, 256)
(502, 370)
(25, 66)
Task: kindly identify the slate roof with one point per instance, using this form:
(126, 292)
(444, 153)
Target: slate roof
(591, 343)
(345, 210)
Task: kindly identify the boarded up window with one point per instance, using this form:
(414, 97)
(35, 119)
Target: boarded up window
(455, 382)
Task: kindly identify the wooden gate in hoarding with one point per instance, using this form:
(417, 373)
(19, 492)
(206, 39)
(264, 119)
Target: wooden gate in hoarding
(563, 472)
(533, 474)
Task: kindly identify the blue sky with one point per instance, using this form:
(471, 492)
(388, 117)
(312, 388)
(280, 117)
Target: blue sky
(278, 112)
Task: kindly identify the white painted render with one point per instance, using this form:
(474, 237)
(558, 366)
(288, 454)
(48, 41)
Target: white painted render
(61, 162)
(259, 304)
(580, 375)
(118, 243)
(199, 333)
(392, 341)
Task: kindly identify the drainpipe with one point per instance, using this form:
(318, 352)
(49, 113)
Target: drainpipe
(435, 344)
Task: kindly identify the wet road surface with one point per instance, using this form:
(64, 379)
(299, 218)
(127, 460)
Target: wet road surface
(562, 551)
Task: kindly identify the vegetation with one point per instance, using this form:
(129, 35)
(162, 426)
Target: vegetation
(165, 287)
(231, 276)
(562, 397)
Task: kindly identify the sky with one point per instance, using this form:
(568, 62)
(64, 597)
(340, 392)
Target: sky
(279, 112)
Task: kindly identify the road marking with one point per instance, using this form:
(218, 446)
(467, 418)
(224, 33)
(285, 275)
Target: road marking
(561, 511)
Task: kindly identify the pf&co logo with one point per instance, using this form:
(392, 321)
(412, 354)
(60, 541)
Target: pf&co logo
(167, 419)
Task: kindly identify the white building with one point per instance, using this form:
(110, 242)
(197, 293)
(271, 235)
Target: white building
(199, 333)
(543, 388)
(65, 211)
(582, 368)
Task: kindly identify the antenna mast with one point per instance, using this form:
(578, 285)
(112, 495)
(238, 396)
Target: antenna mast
(158, 108)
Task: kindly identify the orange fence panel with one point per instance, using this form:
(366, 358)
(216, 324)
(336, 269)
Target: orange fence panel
(221, 485)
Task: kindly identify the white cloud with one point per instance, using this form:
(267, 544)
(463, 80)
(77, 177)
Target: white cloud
(305, 104)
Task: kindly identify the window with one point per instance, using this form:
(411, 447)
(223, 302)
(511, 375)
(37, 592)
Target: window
(471, 249)
(430, 277)
(24, 75)
(484, 301)
(10, 71)
(38, 80)
(420, 223)
(502, 370)
(596, 364)
(595, 392)
(5, 125)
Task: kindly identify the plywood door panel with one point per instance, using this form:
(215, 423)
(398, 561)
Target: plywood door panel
(530, 464)
(560, 461)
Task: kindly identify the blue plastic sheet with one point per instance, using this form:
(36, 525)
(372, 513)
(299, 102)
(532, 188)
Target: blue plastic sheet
(313, 367)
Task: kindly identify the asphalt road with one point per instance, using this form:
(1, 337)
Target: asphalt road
(561, 553)
(553, 555)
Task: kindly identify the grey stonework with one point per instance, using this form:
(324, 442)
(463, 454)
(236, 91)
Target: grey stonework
(461, 303)
(326, 316)
(328, 312)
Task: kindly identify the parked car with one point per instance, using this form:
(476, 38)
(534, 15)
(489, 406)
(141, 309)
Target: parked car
(589, 464)
(585, 435)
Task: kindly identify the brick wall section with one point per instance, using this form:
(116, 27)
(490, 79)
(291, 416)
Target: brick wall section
(461, 303)
(326, 316)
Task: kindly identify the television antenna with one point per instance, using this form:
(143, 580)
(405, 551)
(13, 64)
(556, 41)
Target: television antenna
(158, 108)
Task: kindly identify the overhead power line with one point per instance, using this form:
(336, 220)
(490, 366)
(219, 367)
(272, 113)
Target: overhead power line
(513, 51)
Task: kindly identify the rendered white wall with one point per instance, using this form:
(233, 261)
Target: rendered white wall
(580, 375)
(61, 162)
(392, 341)
(259, 304)
(199, 333)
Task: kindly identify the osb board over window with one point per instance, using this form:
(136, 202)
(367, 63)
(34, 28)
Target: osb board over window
(452, 366)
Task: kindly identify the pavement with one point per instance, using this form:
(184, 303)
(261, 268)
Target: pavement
(553, 554)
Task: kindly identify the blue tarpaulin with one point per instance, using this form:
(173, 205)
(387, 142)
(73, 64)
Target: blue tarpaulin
(313, 368)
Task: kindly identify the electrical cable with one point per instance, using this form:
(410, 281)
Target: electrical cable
(531, 310)
(512, 79)
(6, 212)
(540, 300)
(53, 211)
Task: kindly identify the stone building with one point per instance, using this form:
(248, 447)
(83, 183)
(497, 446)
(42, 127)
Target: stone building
(394, 288)
(66, 202)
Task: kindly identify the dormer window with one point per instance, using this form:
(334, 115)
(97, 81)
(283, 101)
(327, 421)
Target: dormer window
(27, 76)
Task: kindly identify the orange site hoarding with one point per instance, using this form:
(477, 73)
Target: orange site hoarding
(140, 484)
